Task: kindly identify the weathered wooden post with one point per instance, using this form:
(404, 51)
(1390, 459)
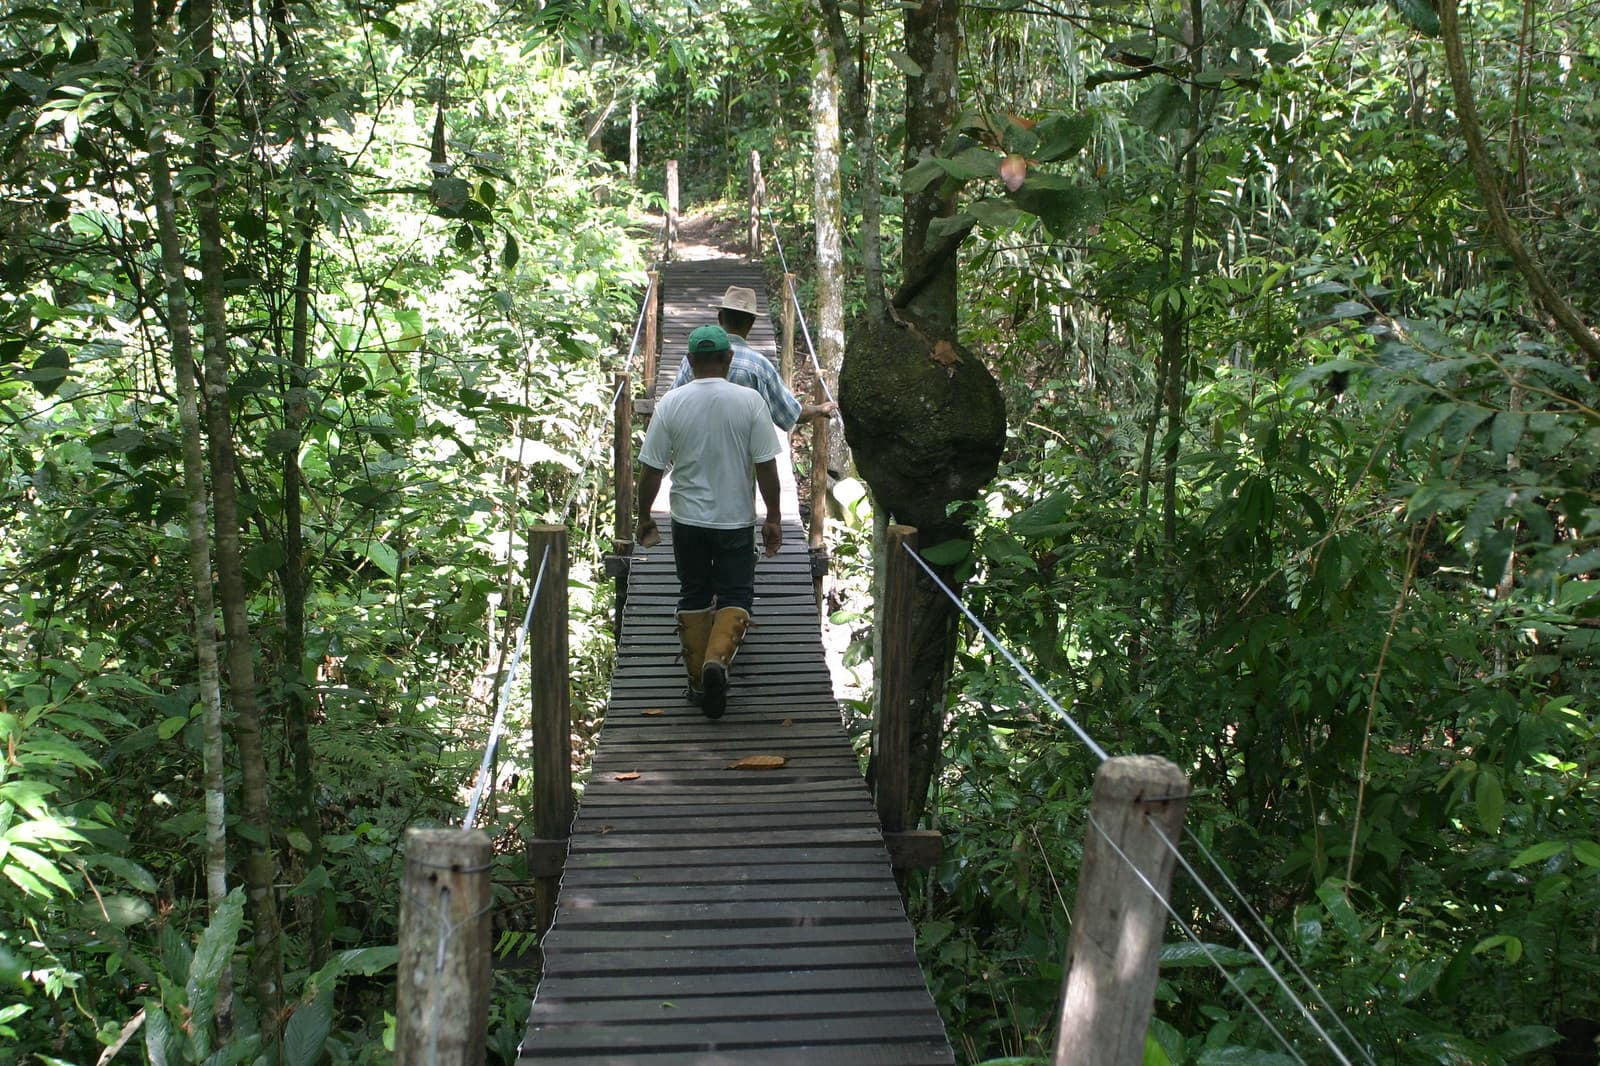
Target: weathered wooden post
(758, 194)
(552, 721)
(1118, 918)
(650, 340)
(442, 998)
(891, 749)
(618, 561)
(817, 529)
(672, 208)
(786, 353)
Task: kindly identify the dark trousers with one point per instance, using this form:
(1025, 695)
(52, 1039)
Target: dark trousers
(714, 563)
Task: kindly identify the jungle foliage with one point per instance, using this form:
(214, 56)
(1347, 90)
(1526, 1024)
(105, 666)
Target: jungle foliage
(1300, 487)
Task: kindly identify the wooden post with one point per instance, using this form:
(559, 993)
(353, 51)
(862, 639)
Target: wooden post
(622, 458)
(552, 717)
(617, 563)
(758, 193)
(442, 994)
(651, 339)
(1117, 920)
(633, 140)
(672, 208)
(816, 531)
(786, 356)
(891, 750)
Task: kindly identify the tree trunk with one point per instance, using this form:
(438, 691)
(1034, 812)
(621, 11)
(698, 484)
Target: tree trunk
(1489, 191)
(858, 108)
(828, 211)
(255, 798)
(933, 41)
(213, 746)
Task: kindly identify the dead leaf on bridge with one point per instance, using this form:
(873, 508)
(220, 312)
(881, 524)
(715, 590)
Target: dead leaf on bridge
(652, 711)
(758, 762)
(631, 775)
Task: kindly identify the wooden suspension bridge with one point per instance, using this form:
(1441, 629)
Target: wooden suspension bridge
(695, 909)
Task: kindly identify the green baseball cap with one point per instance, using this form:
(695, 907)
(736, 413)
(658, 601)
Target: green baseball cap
(708, 339)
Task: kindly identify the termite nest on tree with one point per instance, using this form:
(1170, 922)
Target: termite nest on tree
(925, 421)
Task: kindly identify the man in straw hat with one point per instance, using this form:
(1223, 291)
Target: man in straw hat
(736, 313)
(711, 433)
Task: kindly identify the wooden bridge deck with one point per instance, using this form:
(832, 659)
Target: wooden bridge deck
(717, 916)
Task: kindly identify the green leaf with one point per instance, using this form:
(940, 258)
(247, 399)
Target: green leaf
(214, 954)
(1506, 433)
(1243, 1056)
(1331, 893)
(948, 553)
(49, 370)
(1512, 946)
(1586, 852)
(308, 1028)
(1490, 800)
(1419, 15)
(382, 556)
(510, 255)
(171, 727)
(121, 911)
(908, 66)
(1160, 108)
(1524, 1040)
(1538, 852)
(1061, 136)
(1186, 953)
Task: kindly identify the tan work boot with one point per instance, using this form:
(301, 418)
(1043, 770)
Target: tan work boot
(694, 630)
(727, 633)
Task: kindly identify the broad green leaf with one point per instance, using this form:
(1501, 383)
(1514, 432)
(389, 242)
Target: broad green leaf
(1524, 1040)
(382, 556)
(120, 910)
(214, 953)
(1061, 136)
(1331, 893)
(1243, 1056)
(1586, 852)
(1186, 953)
(1538, 852)
(308, 1028)
(1490, 800)
(1161, 108)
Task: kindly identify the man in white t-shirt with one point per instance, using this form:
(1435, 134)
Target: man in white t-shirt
(712, 434)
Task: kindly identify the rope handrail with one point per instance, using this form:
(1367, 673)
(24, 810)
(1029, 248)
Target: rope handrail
(497, 727)
(1194, 875)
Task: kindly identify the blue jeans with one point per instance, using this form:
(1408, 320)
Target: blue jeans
(719, 563)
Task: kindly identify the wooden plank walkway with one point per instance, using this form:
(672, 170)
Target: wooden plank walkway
(718, 916)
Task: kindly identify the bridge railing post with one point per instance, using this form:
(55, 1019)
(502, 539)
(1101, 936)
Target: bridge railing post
(817, 530)
(891, 749)
(672, 209)
(442, 997)
(617, 563)
(786, 353)
(758, 195)
(553, 803)
(650, 338)
(1119, 916)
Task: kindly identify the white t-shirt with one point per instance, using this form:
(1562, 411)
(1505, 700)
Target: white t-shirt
(711, 433)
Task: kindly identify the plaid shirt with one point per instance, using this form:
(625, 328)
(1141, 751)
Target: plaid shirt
(755, 371)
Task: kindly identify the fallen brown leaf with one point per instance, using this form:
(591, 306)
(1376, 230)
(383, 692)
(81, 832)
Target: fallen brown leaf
(652, 711)
(631, 775)
(788, 721)
(944, 353)
(758, 762)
